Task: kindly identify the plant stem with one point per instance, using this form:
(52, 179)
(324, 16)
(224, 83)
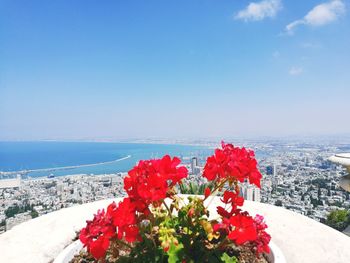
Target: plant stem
(213, 193)
(215, 189)
(152, 237)
(221, 244)
(124, 244)
(167, 208)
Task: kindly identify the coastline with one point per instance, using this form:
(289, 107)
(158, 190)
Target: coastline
(64, 167)
(73, 176)
(151, 142)
(131, 153)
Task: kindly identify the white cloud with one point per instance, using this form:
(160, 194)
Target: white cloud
(294, 71)
(256, 11)
(320, 15)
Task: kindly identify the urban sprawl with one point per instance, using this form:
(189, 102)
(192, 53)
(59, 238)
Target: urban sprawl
(295, 176)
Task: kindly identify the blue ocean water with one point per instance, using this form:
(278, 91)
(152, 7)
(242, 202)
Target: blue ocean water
(18, 156)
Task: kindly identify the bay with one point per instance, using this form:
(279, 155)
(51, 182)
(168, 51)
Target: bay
(106, 157)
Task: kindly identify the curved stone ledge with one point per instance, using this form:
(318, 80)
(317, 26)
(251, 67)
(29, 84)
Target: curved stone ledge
(341, 158)
(301, 239)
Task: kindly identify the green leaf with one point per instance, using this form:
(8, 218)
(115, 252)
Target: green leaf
(227, 259)
(175, 253)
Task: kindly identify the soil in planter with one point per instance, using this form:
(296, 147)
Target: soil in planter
(245, 255)
(82, 257)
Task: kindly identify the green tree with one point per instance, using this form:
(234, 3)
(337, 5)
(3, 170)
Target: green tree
(12, 211)
(16, 209)
(34, 214)
(278, 203)
(338, 219)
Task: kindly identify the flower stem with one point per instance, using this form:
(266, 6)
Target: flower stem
(124, 243)
(214, 192)
(167, 208)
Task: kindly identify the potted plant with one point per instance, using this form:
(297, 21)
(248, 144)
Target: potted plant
(155, 224)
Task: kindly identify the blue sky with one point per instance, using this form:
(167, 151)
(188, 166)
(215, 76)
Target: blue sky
(122, 69)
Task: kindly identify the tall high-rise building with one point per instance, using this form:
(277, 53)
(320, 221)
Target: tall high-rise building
(250, 192)
(269, 170)
(194, 164)
(257, 196)
(274, 178)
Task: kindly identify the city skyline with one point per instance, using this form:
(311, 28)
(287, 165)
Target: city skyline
(120, 70)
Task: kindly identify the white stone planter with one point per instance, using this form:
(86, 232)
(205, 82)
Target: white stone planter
(343, 159)
(69, 252)
(275, 256)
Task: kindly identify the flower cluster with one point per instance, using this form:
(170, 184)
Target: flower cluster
(143, 222)
(232, 163)
(152, 181)
(98, 232)
(263, 239)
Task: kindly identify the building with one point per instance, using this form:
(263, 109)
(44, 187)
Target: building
(275, 176)
(194, 165)
(256, 195)
(250, 192)
(10, 183)
(269, 170)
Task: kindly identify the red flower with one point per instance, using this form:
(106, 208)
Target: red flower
(207, 192)
(124, 213)
(233, 200)
(263, 239)
(223, 226)
(119, 221)
(214, 166)
(168, 167)
(223, 212)
(190, 212)
(151, 181)
(243, 229)
(99, 247)
(97, 233)
(234, 164)
(124, 219)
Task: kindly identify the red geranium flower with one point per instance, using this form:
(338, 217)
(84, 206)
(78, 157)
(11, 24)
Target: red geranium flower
(207, 192)
(234, 164)
(223, 226)
(99, 247)
(97, 233)
(243, 229)
(119, 221)
(124, 219)
(150, 181)
(263, 239)
(233, 200)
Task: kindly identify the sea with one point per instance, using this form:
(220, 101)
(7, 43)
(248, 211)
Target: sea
(53, 159)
